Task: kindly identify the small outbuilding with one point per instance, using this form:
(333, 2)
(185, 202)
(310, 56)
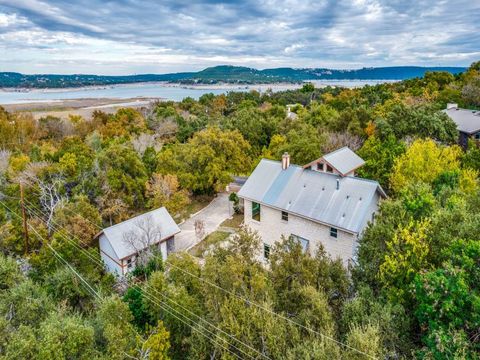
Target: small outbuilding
(123, 245)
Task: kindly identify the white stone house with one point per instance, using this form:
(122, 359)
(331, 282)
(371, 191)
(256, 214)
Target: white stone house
(316, 204)
(124, 244)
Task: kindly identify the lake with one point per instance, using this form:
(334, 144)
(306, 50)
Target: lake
(155, 90)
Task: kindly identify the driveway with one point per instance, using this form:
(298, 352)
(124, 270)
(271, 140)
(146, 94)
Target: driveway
(212, 215)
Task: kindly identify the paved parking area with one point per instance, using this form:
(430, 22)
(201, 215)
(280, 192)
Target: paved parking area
(213, 215)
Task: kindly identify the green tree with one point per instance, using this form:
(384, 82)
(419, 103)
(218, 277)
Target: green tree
(207, 162)
(379, 158)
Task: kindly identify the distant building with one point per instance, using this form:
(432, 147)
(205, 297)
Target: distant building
(468, 123)
(319, 203)
(122, 245)
(290, 114)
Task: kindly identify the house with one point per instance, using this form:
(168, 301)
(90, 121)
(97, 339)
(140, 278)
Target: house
(342, 162)
(319, 203)
(123, 245)
(468, 123)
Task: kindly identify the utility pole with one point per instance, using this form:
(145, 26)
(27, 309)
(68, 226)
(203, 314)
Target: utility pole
(24, 216)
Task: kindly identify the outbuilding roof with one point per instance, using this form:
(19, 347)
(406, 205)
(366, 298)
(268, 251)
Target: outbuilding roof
(468, 121)
(149, 228)
(312, 194)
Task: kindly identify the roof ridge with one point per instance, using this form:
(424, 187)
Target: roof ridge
(334, 151)
(133, 218)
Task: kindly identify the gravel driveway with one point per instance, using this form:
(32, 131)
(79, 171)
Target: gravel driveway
(213, 215)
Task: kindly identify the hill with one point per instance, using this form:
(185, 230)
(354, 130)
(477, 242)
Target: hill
(222, 73)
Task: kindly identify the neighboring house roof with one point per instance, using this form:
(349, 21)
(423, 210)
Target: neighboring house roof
(128, 236)
(343, 160)
(468, 121)
(312, 194)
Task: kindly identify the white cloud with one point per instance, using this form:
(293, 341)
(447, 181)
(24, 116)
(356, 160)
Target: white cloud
(150, 36)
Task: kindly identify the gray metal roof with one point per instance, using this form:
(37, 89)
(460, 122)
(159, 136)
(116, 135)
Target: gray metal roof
(157, 223)
(468, 121)
(312, 194)
(344, 160)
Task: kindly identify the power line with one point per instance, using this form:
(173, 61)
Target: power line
(261, 307)
(207, 322)
(146, 292)
(58, 256)
(162, 306)
(65, 237)
(95, 293)
(275, 313)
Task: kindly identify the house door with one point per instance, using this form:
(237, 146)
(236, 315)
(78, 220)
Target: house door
(170, 245)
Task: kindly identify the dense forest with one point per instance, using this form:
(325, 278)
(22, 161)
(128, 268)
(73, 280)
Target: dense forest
(220, 74)
(414, 291)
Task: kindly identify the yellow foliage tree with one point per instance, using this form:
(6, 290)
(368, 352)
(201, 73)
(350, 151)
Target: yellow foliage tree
(469, 181)
(406, 255)
(157, 344)
(164, 190)
(424, 161)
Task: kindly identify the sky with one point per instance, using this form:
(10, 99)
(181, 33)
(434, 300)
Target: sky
(148, 36)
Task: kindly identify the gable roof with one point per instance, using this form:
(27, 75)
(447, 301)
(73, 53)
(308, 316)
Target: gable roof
(312, 194)
(468, 121)
(158, 222)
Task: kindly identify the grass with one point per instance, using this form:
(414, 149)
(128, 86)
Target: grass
(211, 239)
(234, 222)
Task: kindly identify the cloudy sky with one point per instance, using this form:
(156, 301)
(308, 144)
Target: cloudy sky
(147, 36)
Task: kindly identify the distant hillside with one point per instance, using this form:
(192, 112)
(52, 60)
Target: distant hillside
(223, 73)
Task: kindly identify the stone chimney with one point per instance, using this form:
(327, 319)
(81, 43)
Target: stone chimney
(452, 106)
(285, 161)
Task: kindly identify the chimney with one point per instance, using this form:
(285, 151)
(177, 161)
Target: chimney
(338, 184)
(285, 161)
(452, 106)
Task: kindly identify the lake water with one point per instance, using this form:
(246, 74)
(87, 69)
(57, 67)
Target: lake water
(153, 90)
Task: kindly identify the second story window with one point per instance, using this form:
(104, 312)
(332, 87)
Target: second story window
(304, 242)
(333, 232)
(284, 216)
(255, 211)
(266, 251)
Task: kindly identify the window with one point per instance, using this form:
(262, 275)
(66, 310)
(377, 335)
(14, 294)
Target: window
(320, 167)
(477, 136)
(333, 232)
(329, 169)
(266, 251)
(284, 216)
(129, 263)
(255, 211)
(304, 242)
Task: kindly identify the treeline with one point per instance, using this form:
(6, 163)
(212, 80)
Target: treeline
(221, 74)
(414, 291)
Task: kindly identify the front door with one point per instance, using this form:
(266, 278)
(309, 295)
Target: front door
(170, 245)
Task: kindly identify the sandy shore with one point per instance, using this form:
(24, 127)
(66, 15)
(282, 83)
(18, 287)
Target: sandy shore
(218, 86)
(82, 107)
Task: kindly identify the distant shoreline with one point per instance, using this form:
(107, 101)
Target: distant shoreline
(199, 86)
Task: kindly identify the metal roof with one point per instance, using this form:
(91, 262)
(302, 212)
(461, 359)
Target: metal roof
(468, 121)
(158, 224)
(312, 194)
(344, 160)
